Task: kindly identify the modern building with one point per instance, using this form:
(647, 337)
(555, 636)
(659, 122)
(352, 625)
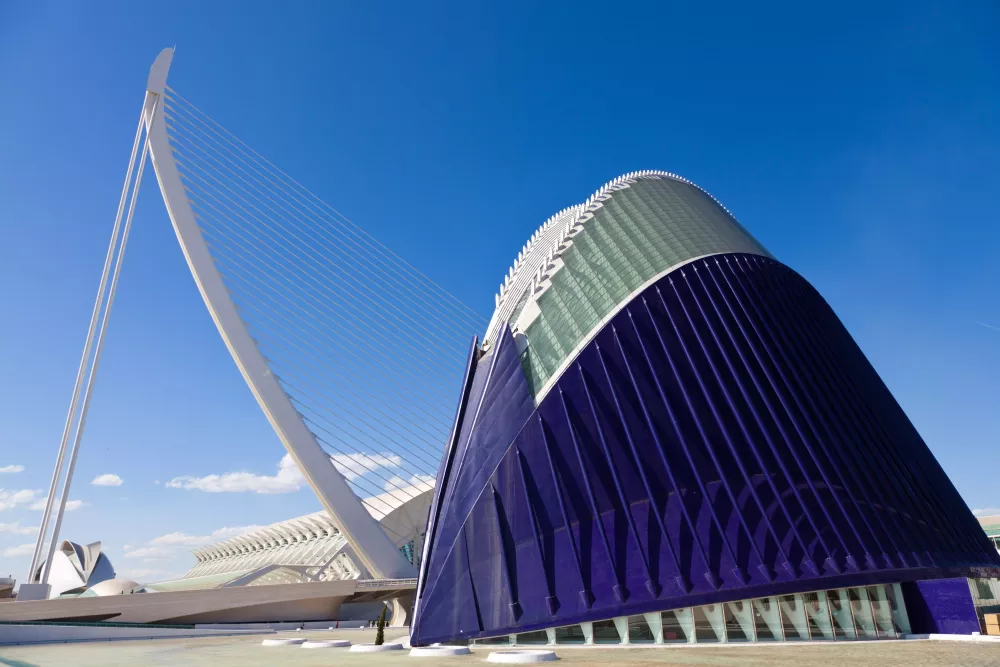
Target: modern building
(297, 570)
(75, 568)
(991, 525)
(312, 547)
(668, 435)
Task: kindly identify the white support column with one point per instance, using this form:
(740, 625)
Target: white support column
(795, 611)
(820, 614)
(743, 613)
(655, 622)
(899, 615)
(81, 373)
(768, 610)
(685, 618)
(621, 625)
(717, 619)
(863, 615)
(882, 611)
(842, 614)
(588, 633)
(369, 541)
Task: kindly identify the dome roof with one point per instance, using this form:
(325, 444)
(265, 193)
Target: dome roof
(114, 587)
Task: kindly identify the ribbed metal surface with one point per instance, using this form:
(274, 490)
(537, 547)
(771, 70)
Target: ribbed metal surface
(722, 438)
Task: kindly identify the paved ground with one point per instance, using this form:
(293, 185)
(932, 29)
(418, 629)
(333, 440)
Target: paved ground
(246, 651)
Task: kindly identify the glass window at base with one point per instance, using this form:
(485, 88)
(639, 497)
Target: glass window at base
(606, 632)
(639, 631)
(538, 637)
(570, 634)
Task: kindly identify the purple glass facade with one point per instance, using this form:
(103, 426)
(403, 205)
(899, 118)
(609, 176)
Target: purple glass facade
(721, 438)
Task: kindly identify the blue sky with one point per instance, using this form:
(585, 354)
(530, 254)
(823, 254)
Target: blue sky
(861, 146)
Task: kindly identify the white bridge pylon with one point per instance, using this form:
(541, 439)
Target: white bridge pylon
(362, 531)
(352, 354)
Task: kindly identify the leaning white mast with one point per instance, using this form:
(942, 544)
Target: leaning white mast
(361, 530)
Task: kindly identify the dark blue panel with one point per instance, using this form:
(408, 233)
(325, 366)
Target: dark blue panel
(721, 438)
(941, 606)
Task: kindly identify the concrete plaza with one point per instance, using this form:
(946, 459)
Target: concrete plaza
(246, 651)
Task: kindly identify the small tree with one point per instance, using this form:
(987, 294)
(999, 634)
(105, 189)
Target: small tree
(380, 632)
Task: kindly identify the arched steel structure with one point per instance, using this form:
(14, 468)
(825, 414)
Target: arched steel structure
(362, 531)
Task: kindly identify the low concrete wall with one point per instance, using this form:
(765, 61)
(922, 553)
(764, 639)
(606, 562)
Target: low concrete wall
(308, 625)
(49, 634)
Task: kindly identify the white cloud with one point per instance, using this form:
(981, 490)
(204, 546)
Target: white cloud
(986, 511)
(150, 553)
(194, 541)
(17, 528)
(107, 479)
(355, 465)
(417, 482)
(288, 479)
(12, 469)
(12, 499)
(22, 550)
(39, 505)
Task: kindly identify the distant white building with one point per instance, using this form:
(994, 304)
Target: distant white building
(76, 568)
(307, 548)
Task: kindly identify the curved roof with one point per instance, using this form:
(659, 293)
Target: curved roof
(587, 261)
(314, 539)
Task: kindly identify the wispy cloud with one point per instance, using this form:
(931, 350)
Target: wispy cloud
(107, 479)
(71, 505)
(986, 511)
(12, 468)
(357, 464)
(288, 479)
(988, 326)
(22, 550)
(17, 528)
(10, 499)
(415, 483)
(194, 541)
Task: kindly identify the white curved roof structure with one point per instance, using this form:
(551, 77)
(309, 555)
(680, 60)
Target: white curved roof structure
(76, 567)
(313, 545)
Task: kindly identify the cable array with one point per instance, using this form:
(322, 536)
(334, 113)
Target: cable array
(368, 349)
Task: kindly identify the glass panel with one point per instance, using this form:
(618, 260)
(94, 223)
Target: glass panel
(843, 618)
(538, 637)
(639, 631)
(571, 634)
(639, 233)
(900, 619)
(605, 632)
(767, 620)
(708, 624)
(862, 609)
(494, 641)
(818, 615)
(677, 626)
(655, 623)
(739, 621)
(881, 612)
(793, 618)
